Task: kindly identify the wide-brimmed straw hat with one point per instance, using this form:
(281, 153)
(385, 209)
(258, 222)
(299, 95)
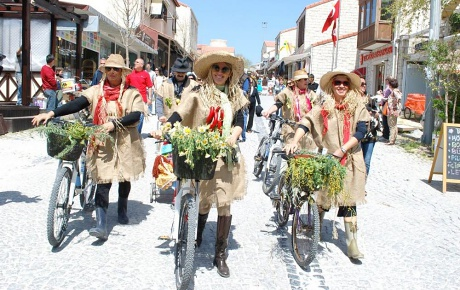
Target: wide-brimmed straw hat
(326, 78)
(300, 74)
(204, 62)
(115, 60)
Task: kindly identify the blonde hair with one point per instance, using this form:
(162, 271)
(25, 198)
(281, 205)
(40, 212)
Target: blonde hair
(352, 98)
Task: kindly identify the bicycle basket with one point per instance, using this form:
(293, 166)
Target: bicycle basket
(204, 168)
(57, 144)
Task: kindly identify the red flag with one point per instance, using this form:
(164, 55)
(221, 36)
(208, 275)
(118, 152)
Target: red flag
(334, 33)
(333, 15)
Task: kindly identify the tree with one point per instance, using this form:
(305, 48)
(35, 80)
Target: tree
(128, 16)
(247, 62)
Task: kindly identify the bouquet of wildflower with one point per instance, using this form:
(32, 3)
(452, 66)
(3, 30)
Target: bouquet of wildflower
(197, 144)
(311, 172)
(65, 140)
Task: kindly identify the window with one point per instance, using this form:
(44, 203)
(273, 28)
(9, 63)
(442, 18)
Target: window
(361, 17)
(368, 14)
(373, 11)
(301, 32)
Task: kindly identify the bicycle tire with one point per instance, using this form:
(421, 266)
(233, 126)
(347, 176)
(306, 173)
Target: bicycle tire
(282, 205)
(305, 234)
(59, 208)
(259, 164)
(407, 113)
(271, 178)
(184, 255)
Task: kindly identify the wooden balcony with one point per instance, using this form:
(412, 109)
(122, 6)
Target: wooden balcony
(375, 35)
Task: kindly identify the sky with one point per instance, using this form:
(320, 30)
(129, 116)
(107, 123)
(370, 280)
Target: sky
(240, 22)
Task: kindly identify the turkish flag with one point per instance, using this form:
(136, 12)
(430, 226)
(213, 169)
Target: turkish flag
(333, 15)
(334, 33)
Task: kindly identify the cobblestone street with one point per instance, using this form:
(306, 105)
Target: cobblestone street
(408, 230)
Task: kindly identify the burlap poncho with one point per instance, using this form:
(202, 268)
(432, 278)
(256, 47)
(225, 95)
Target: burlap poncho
(226, 185)
(354, 192)
(123, 160)
(166, 92)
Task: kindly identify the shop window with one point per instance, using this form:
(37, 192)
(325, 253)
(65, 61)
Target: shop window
(301, 32)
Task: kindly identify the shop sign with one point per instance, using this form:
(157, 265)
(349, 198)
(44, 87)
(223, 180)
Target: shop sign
(376, 54)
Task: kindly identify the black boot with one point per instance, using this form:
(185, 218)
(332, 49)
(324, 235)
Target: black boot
(223, 228)
(202, 218)
(122, 210)
(100, 231)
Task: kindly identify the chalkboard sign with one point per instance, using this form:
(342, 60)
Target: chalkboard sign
(447, 153)
(453, 152)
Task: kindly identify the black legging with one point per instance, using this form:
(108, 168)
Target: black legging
(252, 109)
(102, 192)
(347, 211)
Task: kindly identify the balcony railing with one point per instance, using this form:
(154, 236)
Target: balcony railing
(375, 35)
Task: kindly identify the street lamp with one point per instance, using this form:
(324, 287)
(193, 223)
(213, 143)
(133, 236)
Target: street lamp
(265, 56)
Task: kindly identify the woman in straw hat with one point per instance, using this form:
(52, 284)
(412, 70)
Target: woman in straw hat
(117, 109)
(220, 72)
(338, 125)
(295, 102)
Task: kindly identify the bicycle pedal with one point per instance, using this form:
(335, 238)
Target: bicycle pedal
(164, 238)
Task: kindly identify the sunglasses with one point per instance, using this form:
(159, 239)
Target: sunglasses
(108, 69)
(344, 83)
(217, 68)
(363, 84)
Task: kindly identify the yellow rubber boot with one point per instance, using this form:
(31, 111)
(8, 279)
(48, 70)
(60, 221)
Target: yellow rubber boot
(351, 236)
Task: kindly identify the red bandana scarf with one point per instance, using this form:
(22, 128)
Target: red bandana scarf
(346, 125)
(297, 104)
(110, 94)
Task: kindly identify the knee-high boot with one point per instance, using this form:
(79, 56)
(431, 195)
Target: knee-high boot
(351, 236)
(223, 229)
(202, 218)
(102, 202)
(122, 211)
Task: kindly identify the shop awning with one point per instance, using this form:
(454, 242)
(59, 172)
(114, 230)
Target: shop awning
(275, 64)
(360, 71)
(295, 57)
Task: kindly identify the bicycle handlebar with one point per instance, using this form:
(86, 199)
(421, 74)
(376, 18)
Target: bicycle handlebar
(274, 117)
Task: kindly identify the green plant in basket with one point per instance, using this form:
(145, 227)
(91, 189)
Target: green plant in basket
(316, 172)
(64, 138)
(197, 144)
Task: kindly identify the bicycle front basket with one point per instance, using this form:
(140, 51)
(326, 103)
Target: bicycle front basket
(59, 146)
(204, 168)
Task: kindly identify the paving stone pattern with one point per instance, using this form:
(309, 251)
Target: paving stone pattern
(408, 230)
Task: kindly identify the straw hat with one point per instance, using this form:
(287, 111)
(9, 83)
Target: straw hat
(300, 74)
(204, 62)
(354, 79)
(115, 60)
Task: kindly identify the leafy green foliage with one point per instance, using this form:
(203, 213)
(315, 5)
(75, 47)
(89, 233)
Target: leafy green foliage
(454, 22)
(314, 172)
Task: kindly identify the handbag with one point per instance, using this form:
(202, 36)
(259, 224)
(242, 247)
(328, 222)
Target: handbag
(385, 109)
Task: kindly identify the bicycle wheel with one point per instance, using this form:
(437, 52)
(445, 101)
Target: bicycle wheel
(282, 205)
(259, 157)
(407, 113)
(305, 234)
(59, 207)
(185, 244)
(272, 173)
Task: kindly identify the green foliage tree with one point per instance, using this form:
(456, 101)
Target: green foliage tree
(247, 62)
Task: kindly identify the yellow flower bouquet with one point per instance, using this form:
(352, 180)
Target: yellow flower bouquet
(196, 150)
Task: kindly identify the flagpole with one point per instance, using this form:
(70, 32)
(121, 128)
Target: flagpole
(338, 36)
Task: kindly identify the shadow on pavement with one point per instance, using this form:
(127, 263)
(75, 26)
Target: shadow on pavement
(16, 196)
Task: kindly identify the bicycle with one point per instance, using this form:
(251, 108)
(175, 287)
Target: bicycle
(185, 222)
(305, 230)
(265, 159)
(71, 177)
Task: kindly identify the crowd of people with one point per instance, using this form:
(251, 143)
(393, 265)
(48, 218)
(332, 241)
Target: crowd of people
(337, 114)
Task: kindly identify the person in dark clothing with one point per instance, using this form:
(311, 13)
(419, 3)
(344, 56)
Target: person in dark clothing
(254, 100)
(311, 83)
(98, 74)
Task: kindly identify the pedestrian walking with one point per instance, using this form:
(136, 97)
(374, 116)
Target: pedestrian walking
(220, 72)
(254, 100)
(338, 125)
(394, 109)
(49, 83)
(117, 109)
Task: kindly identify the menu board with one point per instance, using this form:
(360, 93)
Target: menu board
(453, 152)
(446, 159)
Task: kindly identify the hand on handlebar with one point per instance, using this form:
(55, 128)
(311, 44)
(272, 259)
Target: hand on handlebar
(157, 134)
(290, 148)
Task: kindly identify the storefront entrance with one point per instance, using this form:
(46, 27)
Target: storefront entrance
(380, 77)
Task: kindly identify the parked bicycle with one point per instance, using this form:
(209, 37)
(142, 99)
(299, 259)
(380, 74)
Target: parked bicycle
(264, 157)
(305, 230)
(72, 179)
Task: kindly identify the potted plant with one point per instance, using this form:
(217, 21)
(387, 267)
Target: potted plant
(311, 172)
(196, 151)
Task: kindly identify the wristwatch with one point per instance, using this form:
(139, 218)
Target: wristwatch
(343, 150)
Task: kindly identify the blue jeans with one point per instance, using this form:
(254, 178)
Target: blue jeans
(52, 101)
(19, 82)
(141, 122)
(368, 148)
(245, 115)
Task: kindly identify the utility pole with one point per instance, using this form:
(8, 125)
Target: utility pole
(435, 24)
